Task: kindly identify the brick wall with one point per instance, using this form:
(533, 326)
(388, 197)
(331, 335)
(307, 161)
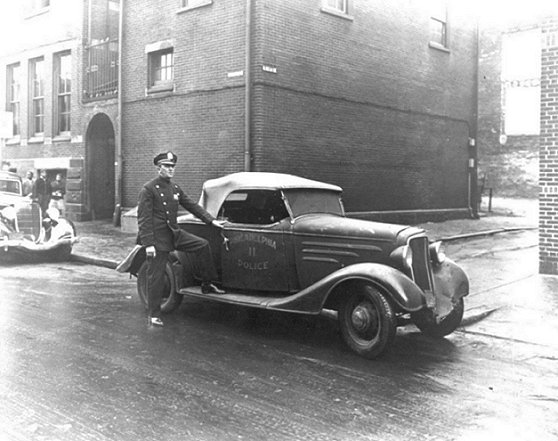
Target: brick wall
(367, 103)
(361, 101)
(202, 119)
(548, 199)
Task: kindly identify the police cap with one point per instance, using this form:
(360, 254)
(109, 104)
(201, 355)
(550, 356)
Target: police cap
(165, 158)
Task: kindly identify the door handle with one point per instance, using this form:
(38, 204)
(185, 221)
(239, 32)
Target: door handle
(225, 241)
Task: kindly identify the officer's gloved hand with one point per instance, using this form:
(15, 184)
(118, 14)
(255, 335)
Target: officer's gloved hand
(218, 224)
(150, 252)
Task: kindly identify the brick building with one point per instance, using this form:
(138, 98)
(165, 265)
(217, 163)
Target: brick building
(49, 83)
(378, 97)
(548, 199)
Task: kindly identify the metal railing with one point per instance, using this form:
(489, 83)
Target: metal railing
(101, 70)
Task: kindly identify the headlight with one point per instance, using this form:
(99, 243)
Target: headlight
(403, 256)
(9, 213)
(436, 254)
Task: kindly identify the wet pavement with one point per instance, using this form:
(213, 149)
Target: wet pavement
(79, 363)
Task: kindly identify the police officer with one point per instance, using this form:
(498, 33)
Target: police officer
(159, 233)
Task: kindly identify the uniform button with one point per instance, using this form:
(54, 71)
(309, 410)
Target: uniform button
(162, 194)
(156, 186)
(168, 221)
(167, 212)
(164, 203)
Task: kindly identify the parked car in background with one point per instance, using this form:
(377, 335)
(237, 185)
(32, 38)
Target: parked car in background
(25, 235)
(287, 245)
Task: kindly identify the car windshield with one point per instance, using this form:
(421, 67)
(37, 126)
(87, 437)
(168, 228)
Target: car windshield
(306, 201)
(10, 186)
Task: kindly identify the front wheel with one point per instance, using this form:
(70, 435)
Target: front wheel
(427, 324)
(171, 299)
(367, 322)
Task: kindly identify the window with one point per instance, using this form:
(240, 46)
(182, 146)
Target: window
(13, 76)
(161, 67)
(521, 86)
(63, 91)
(438, 24)
(260, 207)
(338, 5)
(37, 86)
(36, 6)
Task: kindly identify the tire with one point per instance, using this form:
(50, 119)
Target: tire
(367, 322)
(171, 299)
(428, 326)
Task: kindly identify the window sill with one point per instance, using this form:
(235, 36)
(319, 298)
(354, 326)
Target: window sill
(161, 88)
(36, 140)
(337, 13)
(13, 141)
(438, 47)
(62, 138)
(196, 6)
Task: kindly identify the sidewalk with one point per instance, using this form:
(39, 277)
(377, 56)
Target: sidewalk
(102, 244)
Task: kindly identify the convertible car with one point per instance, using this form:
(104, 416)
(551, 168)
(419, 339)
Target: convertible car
(287, 245)
(25, 234)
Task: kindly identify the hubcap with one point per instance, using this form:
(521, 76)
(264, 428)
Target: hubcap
(361, 318)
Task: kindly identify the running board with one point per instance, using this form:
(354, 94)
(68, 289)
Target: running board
(252, 300)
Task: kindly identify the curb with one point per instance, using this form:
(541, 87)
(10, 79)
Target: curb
(485, 233)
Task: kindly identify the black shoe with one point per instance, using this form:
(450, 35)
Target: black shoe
(210, 288)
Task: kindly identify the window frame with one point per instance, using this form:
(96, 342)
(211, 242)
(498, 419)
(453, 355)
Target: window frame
(338, 10)
(188, 5)
(13, 95)
(37, 98)
(439, 16)
(62, 92)
(156, 67)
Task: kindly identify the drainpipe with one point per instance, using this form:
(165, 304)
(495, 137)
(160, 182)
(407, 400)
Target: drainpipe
(473, 142)
(248, 87)
(118, 143)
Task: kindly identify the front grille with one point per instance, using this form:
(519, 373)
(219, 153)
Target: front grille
(422, 270)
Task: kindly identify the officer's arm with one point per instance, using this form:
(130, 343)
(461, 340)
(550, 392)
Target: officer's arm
(194, 208)
(145, 217)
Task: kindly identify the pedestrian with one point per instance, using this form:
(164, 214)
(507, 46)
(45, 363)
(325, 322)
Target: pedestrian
(41, 193)
(159, 233)
(28, 184)
(57, 192)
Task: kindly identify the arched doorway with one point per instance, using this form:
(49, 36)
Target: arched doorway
(100, 167)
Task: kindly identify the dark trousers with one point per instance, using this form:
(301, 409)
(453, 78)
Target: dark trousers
(188, 243)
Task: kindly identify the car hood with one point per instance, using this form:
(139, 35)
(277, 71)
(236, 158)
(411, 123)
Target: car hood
(339, 226)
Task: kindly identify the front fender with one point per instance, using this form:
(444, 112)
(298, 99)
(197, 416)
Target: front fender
(450, 284)
(400, 288)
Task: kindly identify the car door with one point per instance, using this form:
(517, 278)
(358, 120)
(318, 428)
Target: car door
(254, 252)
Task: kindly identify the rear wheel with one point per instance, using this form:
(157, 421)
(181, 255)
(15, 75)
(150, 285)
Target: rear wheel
(171, 299)
(427, 323)
(367, 322)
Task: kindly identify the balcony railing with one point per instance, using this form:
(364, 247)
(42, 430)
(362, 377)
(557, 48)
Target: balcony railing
(101, 70)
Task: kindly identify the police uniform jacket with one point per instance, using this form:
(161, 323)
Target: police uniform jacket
(157, 213)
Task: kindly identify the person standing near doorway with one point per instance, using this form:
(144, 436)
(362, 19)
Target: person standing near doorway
(57, 192)
(41, 193)
(28, 184)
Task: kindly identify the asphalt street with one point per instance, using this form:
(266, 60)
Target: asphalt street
(79, 363)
